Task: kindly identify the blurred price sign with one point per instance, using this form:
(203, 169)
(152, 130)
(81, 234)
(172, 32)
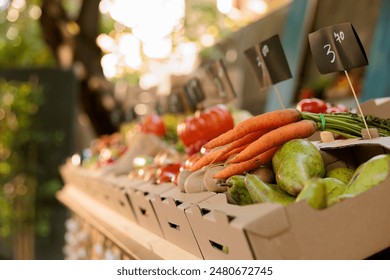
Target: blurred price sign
(219, 75)
(269, 62)
(131, 114)
(194, 92)
(175, 102)
(337, 48)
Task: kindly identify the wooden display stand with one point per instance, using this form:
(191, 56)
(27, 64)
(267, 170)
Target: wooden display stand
(135, 242)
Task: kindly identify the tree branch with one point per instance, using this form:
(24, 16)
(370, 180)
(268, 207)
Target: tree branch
(70, 48)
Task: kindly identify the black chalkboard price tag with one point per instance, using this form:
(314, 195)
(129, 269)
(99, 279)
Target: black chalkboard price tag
(219, 75)
(176, 104)
(337, 48)
(194, 92)
(269, 62)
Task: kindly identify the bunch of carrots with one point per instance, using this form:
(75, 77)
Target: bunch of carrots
(253, 142)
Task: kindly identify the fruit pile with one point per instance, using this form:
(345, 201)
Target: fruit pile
(300, 174)
(195, 131)
(103, 151)
(158, 169)
(268, 157)
(192, 132)
(254, 142)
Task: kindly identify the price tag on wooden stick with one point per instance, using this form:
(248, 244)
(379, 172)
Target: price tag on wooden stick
(269, 62)
(194, 90)
(219, 75)
(337, 48)
(176, 103)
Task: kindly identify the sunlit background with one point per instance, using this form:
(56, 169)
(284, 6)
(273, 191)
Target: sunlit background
(159, 38)
(146, 42)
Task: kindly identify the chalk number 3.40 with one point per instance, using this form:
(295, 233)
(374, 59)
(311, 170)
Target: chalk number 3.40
(330, 52)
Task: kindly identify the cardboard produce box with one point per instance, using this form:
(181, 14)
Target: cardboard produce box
(219, 227)
(170, 209)
(112, 192)
(378, 107)
(140, 198)
(352, 229)
(95, 186)
(66, 173)
(70, 174)
(78, 176)
(108, 189)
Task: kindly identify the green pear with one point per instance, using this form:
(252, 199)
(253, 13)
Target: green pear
(238, 191)
(294, 163)
(344, 174)
(334, 187)
(263, 192)
(294, 147)
(369, 174)
(314, 192)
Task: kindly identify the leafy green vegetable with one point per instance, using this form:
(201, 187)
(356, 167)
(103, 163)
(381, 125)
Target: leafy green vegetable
(348, 124)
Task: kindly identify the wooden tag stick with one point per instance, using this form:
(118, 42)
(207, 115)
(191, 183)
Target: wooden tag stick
(279, 97)
(358, 104)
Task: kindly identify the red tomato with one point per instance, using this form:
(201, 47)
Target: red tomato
(195, 147)
(193, 131)
(181, 132)
(153, 124)
(220, 122)
(312, 105)
(167, 173)
(338, 108)
(229, 121)
(331, 110)
(342, 107)
(203, 126)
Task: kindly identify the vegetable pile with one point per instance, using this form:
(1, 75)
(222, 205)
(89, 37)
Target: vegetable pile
(301, 174)
(254, 142)
(195, 131)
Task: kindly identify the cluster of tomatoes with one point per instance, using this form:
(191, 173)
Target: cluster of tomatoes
(315, 105)
(153, 124)
(163, 168)
(203, 126)
(194, 131)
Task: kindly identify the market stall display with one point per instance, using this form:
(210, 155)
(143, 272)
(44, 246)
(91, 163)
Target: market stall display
(302, 195)
(308, 182)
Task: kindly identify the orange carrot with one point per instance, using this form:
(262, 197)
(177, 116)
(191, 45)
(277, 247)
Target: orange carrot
(237, 145)
(267, 120)
(217, 155)
(246, 166)
(206, 159)
(224, 156)
(276, 137)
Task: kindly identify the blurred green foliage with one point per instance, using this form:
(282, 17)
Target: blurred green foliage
(21, 42)
(19, 103)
